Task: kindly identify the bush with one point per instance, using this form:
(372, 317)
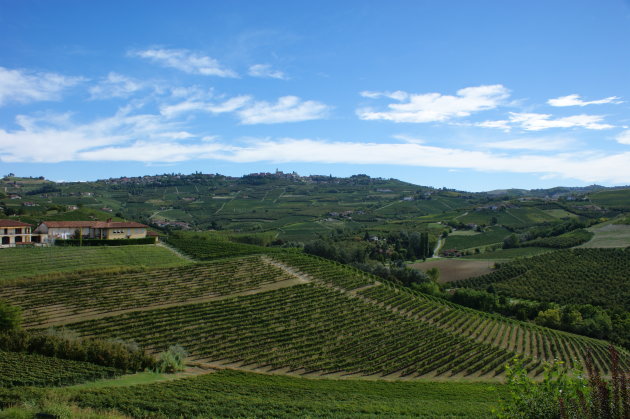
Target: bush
(172, 360)
(567, 394)
(103, 242)
(65, 345)
(10, 317)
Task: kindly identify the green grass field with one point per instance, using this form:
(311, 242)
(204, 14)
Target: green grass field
(467, 241)
(25, 262)
(239, 394)
(507, 254)
(609, 235)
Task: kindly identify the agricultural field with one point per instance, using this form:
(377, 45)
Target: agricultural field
(60, 300)
(615, 199)
(574, 276)
(229, 393)
(609, 235)
(208, 246)
(493, 235)
(22, 369)
(507, 254)
(328, 320)
(456, 269)
(25, 262)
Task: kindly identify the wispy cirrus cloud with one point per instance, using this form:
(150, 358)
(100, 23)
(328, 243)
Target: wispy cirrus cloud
(23, 86)
(54, 138)
(542, 121)
(435, 107)
(186, 61)
(115, 86)
(193, 105)
(266, 71)
(623, 137)
(576, 100)
(537, 144)
(147, 138)
(285, 109)
(539, 121)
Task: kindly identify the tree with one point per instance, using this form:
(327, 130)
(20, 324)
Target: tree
(550, 318)
(10, 317)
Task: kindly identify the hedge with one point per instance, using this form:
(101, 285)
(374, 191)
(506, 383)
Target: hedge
(103, 242)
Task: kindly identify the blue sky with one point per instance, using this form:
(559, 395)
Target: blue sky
(469, 95)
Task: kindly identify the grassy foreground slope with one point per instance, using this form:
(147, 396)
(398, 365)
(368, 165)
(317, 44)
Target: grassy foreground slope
(230, 394)
(24, 262)
(239, 394)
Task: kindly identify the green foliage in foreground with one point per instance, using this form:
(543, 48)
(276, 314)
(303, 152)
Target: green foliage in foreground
(22, 262)
(567, 394)
(239, 394)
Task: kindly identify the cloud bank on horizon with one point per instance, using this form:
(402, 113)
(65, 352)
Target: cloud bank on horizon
(174, 105)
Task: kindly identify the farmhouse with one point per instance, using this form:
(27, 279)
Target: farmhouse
(49, 231)
(14, 233)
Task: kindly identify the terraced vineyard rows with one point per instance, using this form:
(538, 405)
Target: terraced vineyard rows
(20, 369)
(204, 247)
(17, 262)
(56, 300)
(520, 337)
(343, 321)
(523, 338)
(306, 328)
(574, 276)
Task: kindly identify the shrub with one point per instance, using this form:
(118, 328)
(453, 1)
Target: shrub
(172, 360)
(567, 394)
(10, 317)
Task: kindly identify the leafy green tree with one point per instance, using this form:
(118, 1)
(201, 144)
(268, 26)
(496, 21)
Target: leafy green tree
(549, 318)
(10, 317)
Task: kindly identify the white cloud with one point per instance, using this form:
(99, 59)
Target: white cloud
(584, 167)
(147, 138)
(55, 138)
(435, 107)
(539, 121)
(27, 86)
(266, 71)
(623, 137)
(576, 100)
(540, 144)
(286, 109)
(229, 105)
(501, 124)
(115, 85)
(186, 61)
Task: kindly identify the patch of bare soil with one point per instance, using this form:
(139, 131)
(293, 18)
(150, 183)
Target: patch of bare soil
(456, 269)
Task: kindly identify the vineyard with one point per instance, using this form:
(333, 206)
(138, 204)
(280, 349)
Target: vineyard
(239, 394)
(207, 247)
(25, 262)
(76, 296)
(343, 322)
(21, 369)
(574, 276)
(563, 241)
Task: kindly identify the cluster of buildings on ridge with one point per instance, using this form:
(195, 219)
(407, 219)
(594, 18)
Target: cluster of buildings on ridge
(16, 233)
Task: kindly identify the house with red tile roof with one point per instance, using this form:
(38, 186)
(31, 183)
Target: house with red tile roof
(49, 231)
(14, 233)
